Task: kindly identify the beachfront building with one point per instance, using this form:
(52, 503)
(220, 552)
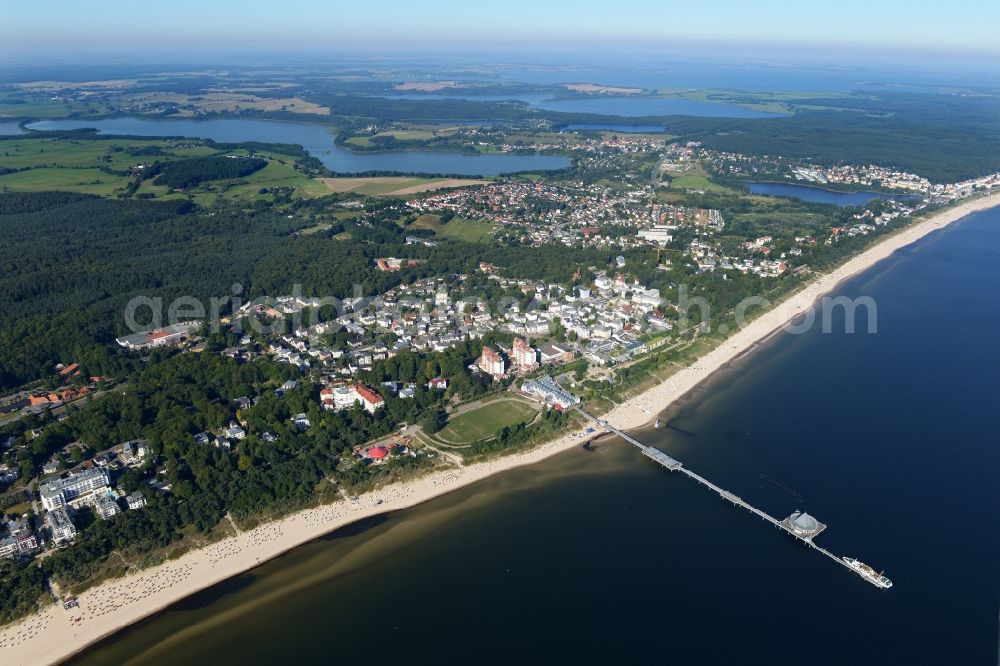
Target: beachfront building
(60, 526)
(106, 507)
(77, 489)
(549, 392)
(492, 363)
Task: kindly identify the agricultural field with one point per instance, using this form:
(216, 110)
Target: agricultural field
(214, 102)
(395, 185)
(102, 167)
(32, 105)
(483, 422)
(88, 181)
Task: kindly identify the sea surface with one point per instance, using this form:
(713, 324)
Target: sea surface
(821, 195)
(318, 140)
(755, 73)
(603, 557)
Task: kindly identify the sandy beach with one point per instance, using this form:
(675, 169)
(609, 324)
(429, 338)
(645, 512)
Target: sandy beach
(55, 633)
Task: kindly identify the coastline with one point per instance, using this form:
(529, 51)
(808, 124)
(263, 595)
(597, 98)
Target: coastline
(49, 636)
(827, 189)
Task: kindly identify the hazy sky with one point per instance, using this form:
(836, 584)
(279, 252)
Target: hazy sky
(65, 26)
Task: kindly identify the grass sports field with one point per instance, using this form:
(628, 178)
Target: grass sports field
(485, 421)
(469, 231)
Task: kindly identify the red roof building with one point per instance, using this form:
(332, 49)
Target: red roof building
(70, 370)
(378, 453)
(370, 400)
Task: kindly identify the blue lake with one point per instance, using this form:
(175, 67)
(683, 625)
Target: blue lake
(612, 127)
(528, 98)
(820, 195)
(627, 105)
(318, 140)
(651, 106)
(8, 128)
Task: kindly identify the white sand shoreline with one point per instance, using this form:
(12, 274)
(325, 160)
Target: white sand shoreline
(51, 635)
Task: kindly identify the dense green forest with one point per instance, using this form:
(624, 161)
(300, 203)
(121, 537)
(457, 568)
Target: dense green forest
(190, 172)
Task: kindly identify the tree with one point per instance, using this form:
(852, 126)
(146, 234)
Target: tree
(433, 420)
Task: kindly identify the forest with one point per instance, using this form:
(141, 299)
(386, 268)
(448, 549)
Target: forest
(182, 174)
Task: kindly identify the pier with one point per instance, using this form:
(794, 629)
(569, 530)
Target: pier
(800, 525)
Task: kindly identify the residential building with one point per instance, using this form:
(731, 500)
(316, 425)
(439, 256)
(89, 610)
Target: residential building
(9, 474)
(343, 397)
(525, 356)
(136, 500)
(370, 400)
(492, 363)
(19, 540)
(19, 544)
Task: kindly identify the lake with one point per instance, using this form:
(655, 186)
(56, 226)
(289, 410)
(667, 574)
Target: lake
(627, 105)
(631, 106)
(527, 98)
(821, 195)
(8, 128)
(318, 140)
(604, 557)
(612, 127)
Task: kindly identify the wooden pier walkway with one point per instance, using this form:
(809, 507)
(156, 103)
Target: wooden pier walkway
(674, 465)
